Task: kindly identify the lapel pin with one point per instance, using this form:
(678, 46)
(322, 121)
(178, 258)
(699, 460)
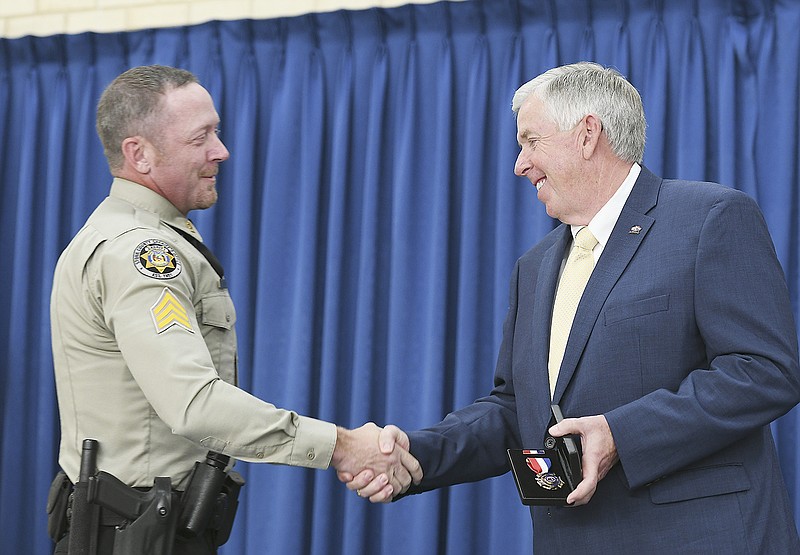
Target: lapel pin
(635, 230)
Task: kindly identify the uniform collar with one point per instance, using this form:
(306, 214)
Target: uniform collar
(146, 199)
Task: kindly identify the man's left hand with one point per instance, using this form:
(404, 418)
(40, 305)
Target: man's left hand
(599, 452)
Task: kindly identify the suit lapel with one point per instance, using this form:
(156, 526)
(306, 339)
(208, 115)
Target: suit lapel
(541, 315)
(629, 232)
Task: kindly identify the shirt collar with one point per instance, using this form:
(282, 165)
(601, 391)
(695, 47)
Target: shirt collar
(147, 199)
(604, 221)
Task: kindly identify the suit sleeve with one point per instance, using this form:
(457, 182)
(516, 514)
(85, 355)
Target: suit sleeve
(743, 316)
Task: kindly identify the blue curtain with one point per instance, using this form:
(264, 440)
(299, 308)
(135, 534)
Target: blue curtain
(369, 218)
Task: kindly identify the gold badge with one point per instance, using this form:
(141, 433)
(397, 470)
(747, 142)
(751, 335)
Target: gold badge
(154, 258)
(168, 311)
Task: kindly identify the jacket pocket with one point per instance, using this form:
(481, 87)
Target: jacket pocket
(695, 483)
(635, 309)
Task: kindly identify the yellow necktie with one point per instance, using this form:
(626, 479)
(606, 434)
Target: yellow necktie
(570, 289)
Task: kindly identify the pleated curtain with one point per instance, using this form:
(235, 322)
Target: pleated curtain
(369, 219)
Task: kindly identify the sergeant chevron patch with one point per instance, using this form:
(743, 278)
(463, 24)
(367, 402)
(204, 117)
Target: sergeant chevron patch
(168, 311)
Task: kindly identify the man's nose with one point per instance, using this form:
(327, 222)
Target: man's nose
(522, 165)
(221, 153)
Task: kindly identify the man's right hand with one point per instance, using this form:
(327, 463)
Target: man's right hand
(375, 462)
(372, 486)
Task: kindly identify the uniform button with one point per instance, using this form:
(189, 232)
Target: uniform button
(227, 317)
(311, 455)
(259, 455)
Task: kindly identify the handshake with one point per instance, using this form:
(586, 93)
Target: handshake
(375, 462)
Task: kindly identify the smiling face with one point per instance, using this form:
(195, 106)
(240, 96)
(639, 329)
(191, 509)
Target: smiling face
(553, 162)
(185, 151)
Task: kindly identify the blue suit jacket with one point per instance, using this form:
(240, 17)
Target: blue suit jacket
(685, 341)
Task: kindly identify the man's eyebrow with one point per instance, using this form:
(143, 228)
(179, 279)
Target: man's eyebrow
(203, 128)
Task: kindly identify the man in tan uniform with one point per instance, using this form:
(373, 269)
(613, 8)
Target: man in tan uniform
(143, 332)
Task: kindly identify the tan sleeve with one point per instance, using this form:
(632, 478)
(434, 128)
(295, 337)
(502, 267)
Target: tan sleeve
(156, 327)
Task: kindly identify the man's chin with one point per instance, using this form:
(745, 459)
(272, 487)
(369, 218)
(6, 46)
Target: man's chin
(551, 213)
(207, 201)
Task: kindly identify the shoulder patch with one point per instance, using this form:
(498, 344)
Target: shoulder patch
(154, 258)
(168, 311)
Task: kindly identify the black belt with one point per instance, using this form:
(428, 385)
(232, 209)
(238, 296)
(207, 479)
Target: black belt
(110, 518)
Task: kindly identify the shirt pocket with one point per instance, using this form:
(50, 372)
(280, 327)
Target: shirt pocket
(217, 310)
(218, 318)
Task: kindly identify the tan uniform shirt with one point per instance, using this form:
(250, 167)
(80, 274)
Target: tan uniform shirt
(145, 353)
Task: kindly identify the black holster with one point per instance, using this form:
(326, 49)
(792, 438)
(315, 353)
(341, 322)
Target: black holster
(229, 501)
(57, 502)
(153, 532)
(210, 500)
(144, 521)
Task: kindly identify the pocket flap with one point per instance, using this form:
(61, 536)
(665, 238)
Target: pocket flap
(217, 310)
(642, 307)
(695, 483)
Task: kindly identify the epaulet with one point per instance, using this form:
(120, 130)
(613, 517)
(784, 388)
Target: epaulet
(114, 217)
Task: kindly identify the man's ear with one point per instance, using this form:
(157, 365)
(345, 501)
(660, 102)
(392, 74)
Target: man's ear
(136, 151)
(591, 129)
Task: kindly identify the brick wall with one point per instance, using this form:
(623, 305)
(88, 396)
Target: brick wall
(50, 17)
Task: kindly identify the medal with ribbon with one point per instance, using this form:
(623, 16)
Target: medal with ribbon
(541, 467)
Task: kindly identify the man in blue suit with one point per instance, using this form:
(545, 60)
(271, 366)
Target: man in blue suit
(682, 350)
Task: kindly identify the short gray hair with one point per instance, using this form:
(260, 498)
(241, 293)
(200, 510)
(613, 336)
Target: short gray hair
(572, 91)
(128, 105)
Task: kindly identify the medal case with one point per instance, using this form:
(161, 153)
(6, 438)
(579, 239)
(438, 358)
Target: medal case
(546, 476)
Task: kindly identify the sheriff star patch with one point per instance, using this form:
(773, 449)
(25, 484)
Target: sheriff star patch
(168, 311)
(154, 258)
